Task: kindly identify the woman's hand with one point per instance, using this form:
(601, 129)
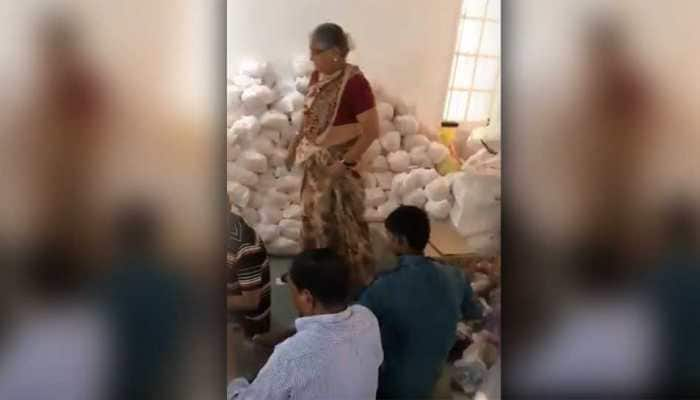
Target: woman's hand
(337, 169)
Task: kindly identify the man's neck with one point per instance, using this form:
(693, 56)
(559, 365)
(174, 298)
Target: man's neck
(330, 310)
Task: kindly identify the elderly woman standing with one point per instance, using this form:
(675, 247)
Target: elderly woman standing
(340, 123)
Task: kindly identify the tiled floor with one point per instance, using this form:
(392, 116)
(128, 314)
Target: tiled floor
(250, 360)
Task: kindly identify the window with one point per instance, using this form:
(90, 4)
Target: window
(476, 63)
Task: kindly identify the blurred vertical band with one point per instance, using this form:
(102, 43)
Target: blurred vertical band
(111, 142)
(601, 190)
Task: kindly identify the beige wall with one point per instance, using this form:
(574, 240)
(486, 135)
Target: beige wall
(406, 45)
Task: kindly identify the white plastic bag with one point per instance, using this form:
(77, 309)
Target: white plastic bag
(483, 161)
(372, 215)
(264, 146)
(289, 103)
(297, 118)
(419, 157)
(231, 117)
(284, 247)
(233, 152)
(384, 179)
(276, 199)
(274, 120)
(290, 184)
(380, 164)
(397, 184)
(245, 81)
(412, 182)
(239, 194)
(437, 152)
(293, 212)
(267, 232)
(257, 95)
(270, 215)
(256, 200)
(266, 181)
(476, 209)
(233, 97)
(302, 83)
(253, 161)
(416, 198)
(387, 208)
(250, 216)
(231, 137)
(438, 190)
(385, 111)
(399, 161)
(240, 175)
(302, 66)
(406, 124)
(285, 87)
(411, 142)
(405, 108)
(438, 209)
(374, 197)
(290, 228)
(386, 126)
(278, 157)
(253, 69)
(391, 141)
(428, 175)
(491, 135)
(370, 180)
(278, 173)
(253, 109)
(246, 126)
(288, 134)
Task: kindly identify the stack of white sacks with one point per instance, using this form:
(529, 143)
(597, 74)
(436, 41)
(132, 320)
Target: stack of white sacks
(477, 191)
(265, 115)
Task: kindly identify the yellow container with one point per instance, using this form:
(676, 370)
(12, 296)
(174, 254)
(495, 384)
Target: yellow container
(447, 135)
(448, 132)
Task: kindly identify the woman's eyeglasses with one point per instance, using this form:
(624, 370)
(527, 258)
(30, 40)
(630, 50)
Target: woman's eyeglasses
(316, 51)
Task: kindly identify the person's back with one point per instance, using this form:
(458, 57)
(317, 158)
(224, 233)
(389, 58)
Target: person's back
(418, 306)
(332, 357)
(336, 352)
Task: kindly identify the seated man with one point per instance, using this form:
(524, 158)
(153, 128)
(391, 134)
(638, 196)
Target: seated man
(248, 278)
(337, 349)
(418, 306)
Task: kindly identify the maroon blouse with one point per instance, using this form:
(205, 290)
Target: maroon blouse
(356, 99)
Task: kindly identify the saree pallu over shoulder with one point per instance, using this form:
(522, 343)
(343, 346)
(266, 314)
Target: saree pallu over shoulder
(320, 110)
(334, 208)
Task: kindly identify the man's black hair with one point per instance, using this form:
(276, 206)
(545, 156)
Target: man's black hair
(323, 273)
(410, 224)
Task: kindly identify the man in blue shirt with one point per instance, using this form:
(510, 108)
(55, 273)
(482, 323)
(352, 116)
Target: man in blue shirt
(418, 306)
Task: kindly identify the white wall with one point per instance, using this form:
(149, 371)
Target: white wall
(405, 45)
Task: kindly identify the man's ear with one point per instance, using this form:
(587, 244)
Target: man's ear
(401, 240)
(307, 296)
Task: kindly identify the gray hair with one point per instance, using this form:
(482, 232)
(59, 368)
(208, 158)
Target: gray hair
(331, 35)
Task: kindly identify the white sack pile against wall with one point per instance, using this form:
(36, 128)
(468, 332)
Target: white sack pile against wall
(477, 192)
(264, 115)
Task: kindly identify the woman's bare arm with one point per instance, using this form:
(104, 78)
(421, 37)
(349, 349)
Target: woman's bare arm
(369, 121)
